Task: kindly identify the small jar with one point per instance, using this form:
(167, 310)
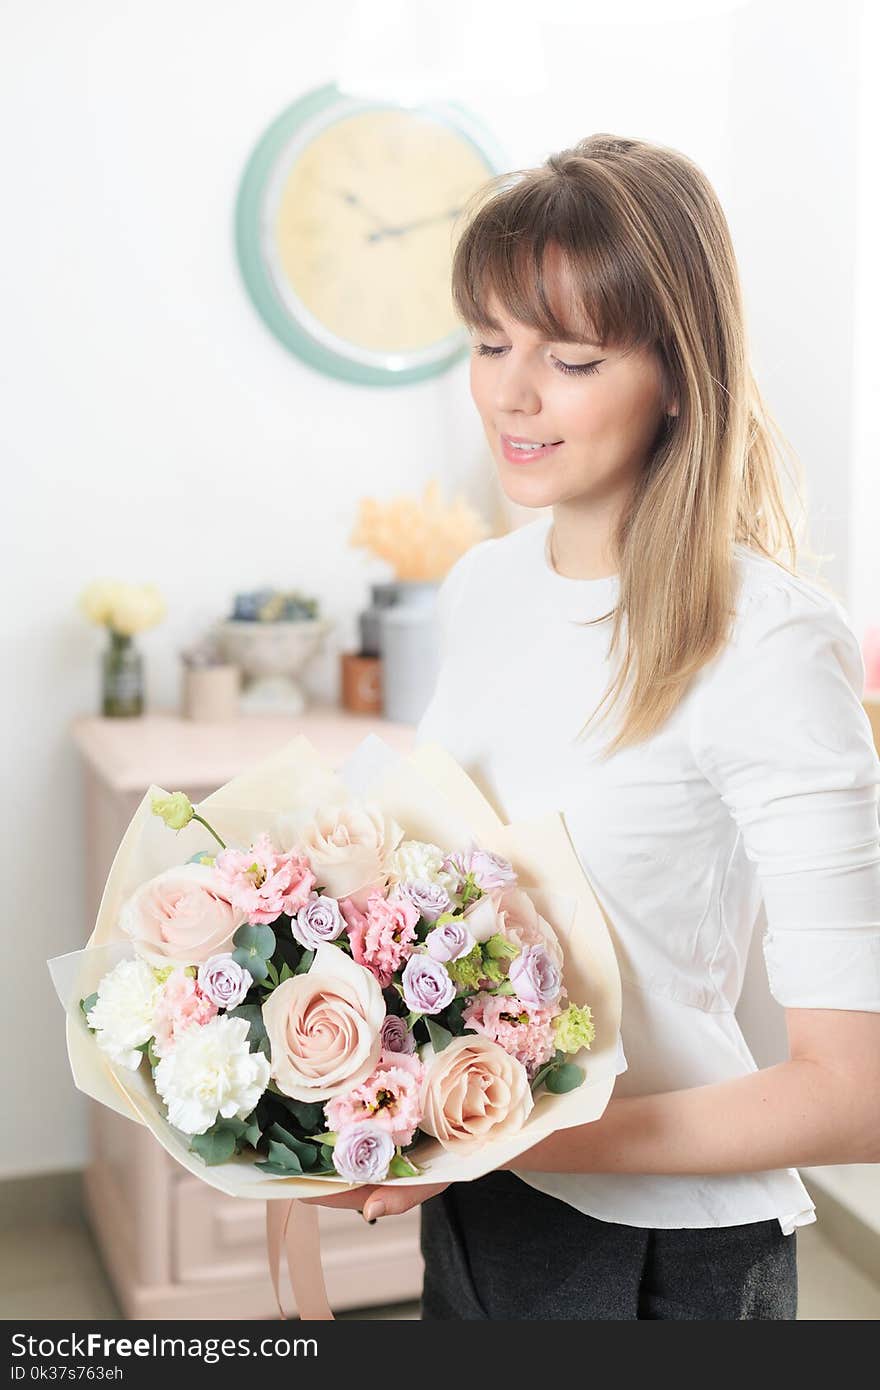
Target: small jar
(122, 672)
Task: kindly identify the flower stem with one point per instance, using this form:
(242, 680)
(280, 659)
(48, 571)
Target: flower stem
(203, 822)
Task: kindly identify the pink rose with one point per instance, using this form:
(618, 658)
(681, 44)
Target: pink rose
(324, 1027)
(180, 916)
(348, 847)
(521, 922)
(473, 1091)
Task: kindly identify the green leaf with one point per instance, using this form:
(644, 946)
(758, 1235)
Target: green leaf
(216, 1146)
(87, 1004)
(401, 1167)
(257, 1030)
(327, 1140)
(272, 973)
(412, 1019)
(541, 1073)
(152, 1056)
(256, 937)
(309, 1114)
(566, 1077)
(440, 1036)
(305, 961)
(286, 973)
(306, 1153)
(281, 1160)
(252, 962)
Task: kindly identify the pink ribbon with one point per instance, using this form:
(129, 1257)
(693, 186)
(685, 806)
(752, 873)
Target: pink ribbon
(294, 1224)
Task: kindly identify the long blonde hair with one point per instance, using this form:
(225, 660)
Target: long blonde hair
(644, 239)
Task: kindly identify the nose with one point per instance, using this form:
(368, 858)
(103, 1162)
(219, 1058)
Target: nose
(515, 391)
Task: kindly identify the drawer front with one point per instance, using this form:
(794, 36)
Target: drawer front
(223, 1239)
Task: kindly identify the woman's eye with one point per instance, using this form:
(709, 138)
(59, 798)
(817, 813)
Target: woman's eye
(580, 369)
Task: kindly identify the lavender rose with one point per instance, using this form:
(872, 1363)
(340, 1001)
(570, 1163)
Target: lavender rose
(427, 987)
(395, 1036)
(489, 870)
(224, 981)
(363, 1151)
(535, 976)
(317, 920)
(449, 941)
(430, 898)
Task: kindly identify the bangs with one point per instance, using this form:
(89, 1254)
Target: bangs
(553, 260)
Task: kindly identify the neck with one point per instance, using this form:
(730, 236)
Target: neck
(581, 543)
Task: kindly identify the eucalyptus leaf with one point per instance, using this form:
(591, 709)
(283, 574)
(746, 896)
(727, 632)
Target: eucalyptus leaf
(217, 1146)
(566, 1077)
(88, 1004)
(256, 937)
(252, 962)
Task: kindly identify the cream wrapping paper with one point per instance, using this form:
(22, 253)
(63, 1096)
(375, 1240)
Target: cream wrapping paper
(429, 794)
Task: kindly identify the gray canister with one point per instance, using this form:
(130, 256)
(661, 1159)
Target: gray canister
(409, 638)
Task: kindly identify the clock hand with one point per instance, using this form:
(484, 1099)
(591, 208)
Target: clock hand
(354, 201)
(408, 226)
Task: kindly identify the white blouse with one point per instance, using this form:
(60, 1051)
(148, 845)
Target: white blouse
(763, 784)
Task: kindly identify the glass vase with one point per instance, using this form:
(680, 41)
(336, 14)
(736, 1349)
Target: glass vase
(122, 672)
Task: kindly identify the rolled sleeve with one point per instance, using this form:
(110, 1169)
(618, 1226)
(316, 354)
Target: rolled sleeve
(780, 731)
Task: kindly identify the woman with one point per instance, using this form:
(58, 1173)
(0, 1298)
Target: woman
(611, 373)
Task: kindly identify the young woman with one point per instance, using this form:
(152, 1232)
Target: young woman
(611, 373)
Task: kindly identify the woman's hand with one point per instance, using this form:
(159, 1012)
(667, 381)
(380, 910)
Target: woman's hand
(380, 1199)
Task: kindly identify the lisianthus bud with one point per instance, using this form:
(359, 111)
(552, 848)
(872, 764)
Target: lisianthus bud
(176, 810)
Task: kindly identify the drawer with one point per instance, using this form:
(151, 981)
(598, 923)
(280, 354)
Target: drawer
(223, 1239)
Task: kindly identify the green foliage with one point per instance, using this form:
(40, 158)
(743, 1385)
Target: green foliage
(440, 1036)
(257, 1036)
(566, 1077)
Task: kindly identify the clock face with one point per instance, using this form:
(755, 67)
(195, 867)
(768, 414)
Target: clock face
(347, 235)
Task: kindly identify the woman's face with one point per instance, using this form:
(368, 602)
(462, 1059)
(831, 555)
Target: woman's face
(607, 416)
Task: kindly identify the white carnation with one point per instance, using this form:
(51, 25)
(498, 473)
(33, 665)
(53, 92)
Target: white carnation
(418, 859)
(123, 1011)
(211, 1071)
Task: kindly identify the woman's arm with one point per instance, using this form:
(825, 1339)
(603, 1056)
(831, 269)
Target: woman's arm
(822, 1106)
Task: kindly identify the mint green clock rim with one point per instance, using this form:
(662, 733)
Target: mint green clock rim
(272, 310)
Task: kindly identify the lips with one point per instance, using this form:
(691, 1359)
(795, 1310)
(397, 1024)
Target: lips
(538, 443)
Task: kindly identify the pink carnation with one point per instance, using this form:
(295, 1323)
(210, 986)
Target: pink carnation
(390, 1097)
(382, 937)
(264, 883)
(181, 1005)
(522, 1029)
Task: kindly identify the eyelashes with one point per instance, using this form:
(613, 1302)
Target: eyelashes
(581, 369)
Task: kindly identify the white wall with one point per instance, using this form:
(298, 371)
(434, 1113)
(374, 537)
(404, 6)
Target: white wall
(152, 428)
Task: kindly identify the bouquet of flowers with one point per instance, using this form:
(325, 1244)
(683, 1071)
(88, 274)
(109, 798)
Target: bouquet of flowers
(343, 978)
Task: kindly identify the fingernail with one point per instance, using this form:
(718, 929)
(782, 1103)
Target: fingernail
(374, 1210)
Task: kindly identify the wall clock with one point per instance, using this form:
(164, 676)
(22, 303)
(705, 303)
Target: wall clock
(345, 224)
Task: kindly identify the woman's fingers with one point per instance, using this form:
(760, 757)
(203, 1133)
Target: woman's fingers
(392, 1200)
(354, 1197)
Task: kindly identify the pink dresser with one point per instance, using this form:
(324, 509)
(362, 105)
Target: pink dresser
(173, 1246)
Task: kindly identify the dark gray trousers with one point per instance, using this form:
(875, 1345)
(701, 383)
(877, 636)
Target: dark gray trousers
(497, 1248)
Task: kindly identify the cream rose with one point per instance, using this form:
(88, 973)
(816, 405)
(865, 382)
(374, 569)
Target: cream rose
(473, 1090)
(324, 1027)
(521, 922)
(349, 847)
(180, 917)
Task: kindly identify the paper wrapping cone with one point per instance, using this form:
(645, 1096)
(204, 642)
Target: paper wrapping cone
(433, 799)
